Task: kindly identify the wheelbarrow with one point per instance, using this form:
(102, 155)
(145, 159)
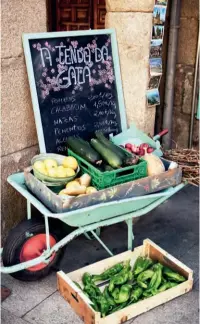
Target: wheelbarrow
(33, 247)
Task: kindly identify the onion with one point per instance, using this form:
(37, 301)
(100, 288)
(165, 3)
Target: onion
(144, 145)
(150, 149)
(129, 150)
(141, 152)
(128, 146)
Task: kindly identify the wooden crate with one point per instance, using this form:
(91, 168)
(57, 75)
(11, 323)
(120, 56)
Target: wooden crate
(81, 304)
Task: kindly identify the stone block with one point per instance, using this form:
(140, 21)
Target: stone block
(133, 36)
(187, 41)
(181, 125)
(13, 206)
(20, 17)
(188, 92)
(149, 123)
(130, 5)
(133, 29)
(18, 126)
(190, 9)
(179, 82)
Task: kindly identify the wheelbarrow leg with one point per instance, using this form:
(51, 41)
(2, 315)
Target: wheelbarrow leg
(28, 209)
(98, 232)
(130, 234)
(101, 242)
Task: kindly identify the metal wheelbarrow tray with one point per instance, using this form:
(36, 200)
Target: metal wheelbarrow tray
(88, 219)
(118, 193)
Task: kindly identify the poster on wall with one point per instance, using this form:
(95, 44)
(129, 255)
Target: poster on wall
(155, 56)
(153, 97)
(159, 15)
(156, 48)
(158, 32)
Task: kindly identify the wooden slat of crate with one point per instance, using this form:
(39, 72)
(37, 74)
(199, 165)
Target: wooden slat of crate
(81, 304)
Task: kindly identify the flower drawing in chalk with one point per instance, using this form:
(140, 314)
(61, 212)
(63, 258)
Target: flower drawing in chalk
(52, 71)
(34, 45)
(74, 44)
(46, 44)
(93, 71)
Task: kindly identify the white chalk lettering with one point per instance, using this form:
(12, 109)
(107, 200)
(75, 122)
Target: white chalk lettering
(60, 53)
(87, 55)
(46, 56)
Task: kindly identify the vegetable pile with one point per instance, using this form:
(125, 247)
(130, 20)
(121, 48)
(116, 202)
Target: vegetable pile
(78, 187)
(102, 153)
(139, 150)
(127, 286)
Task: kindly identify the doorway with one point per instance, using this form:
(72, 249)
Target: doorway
(66, 15)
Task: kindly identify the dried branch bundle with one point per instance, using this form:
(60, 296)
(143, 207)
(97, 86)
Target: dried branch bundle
(188, 159)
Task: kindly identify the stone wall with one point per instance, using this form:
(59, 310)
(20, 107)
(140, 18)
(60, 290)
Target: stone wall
(132, 20)
(185, 74)
(19, 139)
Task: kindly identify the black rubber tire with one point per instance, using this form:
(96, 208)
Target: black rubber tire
(14, 242)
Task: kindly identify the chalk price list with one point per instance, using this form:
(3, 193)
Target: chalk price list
(66, 113)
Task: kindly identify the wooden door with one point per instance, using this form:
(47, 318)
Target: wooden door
(75, 14)
(99, 12)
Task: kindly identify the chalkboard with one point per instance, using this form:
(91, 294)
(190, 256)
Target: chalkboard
(75, 86)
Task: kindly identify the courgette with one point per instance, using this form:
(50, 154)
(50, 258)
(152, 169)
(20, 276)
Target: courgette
(110, 157)
(84, 150)
(114, 148)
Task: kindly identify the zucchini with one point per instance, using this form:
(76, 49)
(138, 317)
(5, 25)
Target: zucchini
(114, 148)
(84, 150)
(110, 157)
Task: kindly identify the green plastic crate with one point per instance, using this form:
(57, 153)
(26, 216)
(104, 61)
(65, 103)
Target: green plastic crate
(102, 180)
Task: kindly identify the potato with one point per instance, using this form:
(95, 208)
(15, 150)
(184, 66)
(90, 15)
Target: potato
(72, 183)
(75, 190)
(91, 190)
(85, 180)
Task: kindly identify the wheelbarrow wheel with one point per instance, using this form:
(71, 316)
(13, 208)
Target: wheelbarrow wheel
(28, 241)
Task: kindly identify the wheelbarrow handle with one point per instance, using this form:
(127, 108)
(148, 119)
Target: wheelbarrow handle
(159, 135)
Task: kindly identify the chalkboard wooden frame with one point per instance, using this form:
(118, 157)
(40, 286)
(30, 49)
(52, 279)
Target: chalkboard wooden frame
(30, 71)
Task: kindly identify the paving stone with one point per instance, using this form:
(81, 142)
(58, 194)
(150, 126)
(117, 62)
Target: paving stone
(9, 318)
(53, 310)
(24, 296)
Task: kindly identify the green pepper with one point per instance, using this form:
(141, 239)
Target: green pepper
(77, 284)
(115, 293)
(173, 275)
(94, 305)
(167, 285)
(147, 294)
(103, 304)
(92, 290)
(124, 294)
(109, 273)
(145, 275)
(141, 264)
(87, 278)
(135, 294)
(109, 298)
(119, 279)
(142, 284)
(117, 308)
(156, 279)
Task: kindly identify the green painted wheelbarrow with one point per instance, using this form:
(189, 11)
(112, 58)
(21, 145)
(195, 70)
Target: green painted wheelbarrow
(34, 246)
